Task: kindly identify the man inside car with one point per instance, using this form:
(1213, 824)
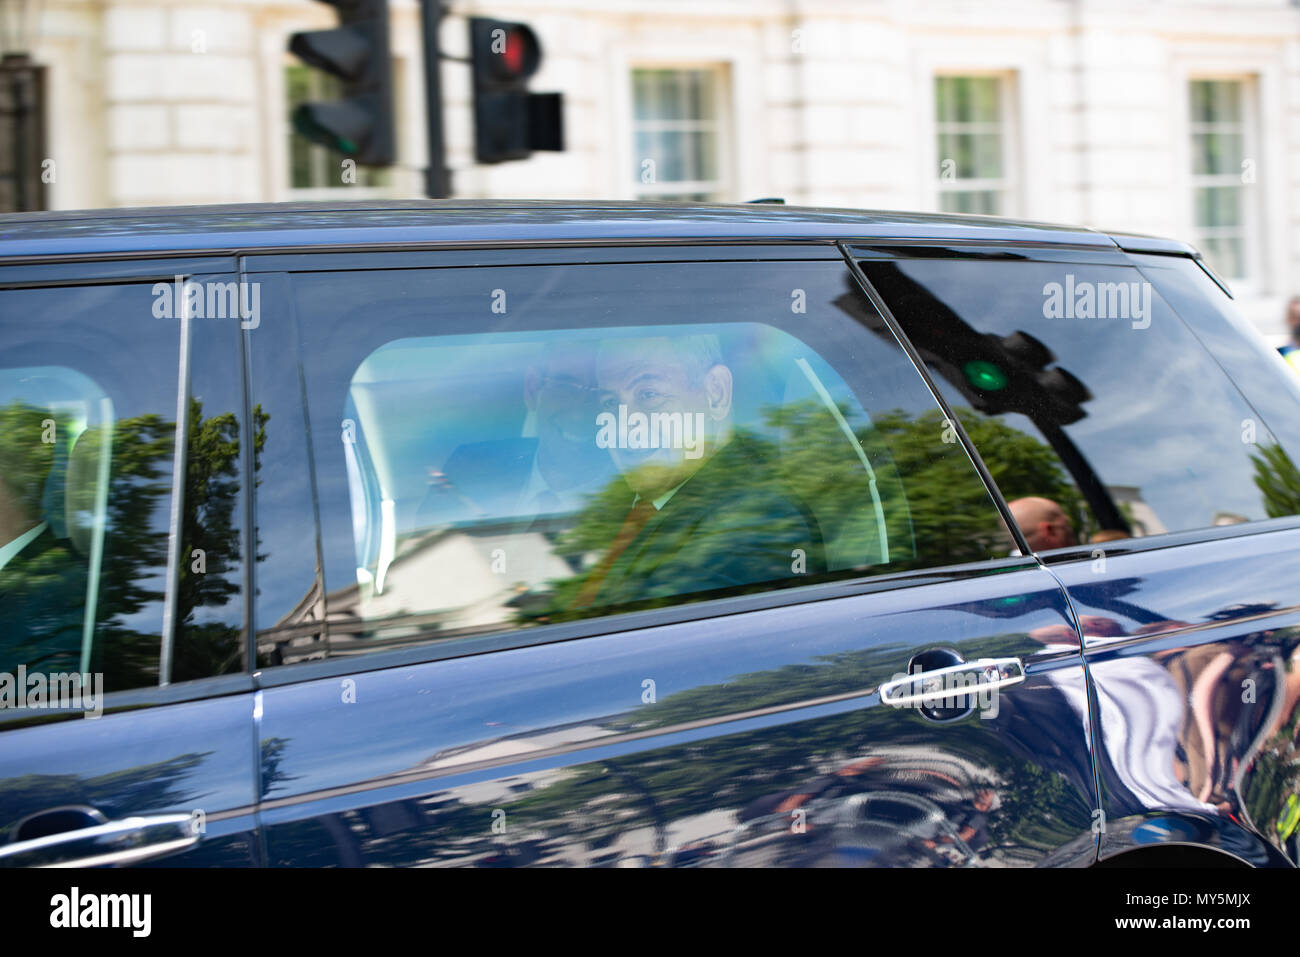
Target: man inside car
(708, 509)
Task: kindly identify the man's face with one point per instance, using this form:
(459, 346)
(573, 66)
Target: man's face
(565, 397)
(562, 393)
(1051, 532)
(1043, 523)
(1293, 321)
(647, 376)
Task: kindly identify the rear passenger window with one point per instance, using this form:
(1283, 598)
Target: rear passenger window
(500, 448)
(1090, 367)
(88, 400)
(1267, 381)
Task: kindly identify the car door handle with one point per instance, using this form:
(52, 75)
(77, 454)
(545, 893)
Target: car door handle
(968, 677)
(127, 841)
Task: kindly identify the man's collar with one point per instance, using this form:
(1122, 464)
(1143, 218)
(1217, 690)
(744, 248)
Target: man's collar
(662, 500)
(731, 447)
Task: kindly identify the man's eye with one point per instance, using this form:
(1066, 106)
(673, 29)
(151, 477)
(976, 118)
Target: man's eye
(650, 395)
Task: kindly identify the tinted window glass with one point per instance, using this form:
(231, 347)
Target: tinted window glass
(209, 636)
(1139, 427)
(88, 395)
(288, 609)
(1267, 381)
(499, 448)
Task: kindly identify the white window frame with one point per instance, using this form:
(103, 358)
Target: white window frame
(723, 186)
(1008, 185)
(1251, 225)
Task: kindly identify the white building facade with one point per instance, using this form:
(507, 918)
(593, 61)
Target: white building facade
(1175, 117)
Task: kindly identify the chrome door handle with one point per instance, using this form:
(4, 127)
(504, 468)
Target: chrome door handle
(126, 841)
(955, 681)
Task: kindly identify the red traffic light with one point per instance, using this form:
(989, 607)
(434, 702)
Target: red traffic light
(513, 54)
(507, 52)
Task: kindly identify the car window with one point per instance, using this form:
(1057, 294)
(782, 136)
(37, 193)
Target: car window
(88, 399)
(502, 448)
(1091, 367)
(1265, 379)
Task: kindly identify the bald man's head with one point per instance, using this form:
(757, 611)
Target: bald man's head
(1043, 523)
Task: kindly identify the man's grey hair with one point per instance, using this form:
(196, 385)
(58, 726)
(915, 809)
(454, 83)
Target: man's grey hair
(698, 354)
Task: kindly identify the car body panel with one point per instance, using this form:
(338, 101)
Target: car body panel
(742, 739)
(1195, 656)
(192, 758)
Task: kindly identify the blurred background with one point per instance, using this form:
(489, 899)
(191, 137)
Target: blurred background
(1173, 117)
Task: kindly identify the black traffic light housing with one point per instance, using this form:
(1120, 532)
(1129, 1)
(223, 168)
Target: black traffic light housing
(360, 125)
(995, 374)
(509, 121)
(998, 374)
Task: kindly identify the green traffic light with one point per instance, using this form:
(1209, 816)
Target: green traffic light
(985, 376)
(307, 122)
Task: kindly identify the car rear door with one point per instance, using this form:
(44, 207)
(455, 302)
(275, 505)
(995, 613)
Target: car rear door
(494, 651)
(126, 702)
(1178, 489)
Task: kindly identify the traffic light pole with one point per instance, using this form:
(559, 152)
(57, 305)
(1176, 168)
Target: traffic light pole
(437, 178)
(1095, 493)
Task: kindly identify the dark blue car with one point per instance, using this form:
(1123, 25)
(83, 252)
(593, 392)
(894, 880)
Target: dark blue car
(493, 534)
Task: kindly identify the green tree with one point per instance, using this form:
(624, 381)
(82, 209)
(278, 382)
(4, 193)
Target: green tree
(210, 534)
(1278, 479)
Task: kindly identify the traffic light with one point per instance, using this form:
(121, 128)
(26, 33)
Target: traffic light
(1015, 374)
(360, 125)
(995, 374)
(509, 121)
(998, 374)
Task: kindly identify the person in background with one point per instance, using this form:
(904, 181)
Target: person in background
(707, 514)
(1043, 522)
(524, 478)
(1291, 351)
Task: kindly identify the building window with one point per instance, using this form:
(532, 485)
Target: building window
(970, 125)
(677, 131)
(1219, 160)
(312, 166)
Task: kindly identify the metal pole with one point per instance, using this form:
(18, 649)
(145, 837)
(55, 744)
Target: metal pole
(437, 178)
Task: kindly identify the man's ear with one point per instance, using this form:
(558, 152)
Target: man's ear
(717, 386)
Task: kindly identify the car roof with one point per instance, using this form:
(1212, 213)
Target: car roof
(263, 226)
